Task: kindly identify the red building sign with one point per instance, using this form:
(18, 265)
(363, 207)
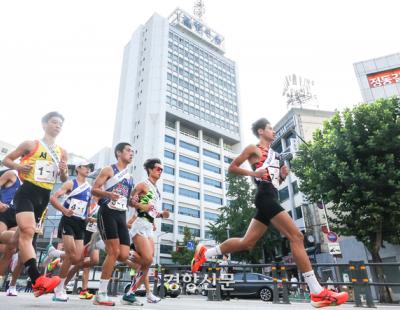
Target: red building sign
(383, 78)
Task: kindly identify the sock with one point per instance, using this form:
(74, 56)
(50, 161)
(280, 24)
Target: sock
(135, 282)
(12, 288)
(100, 245)
(213, 252)
(103, 285)
(57, 253)
(33, 271)
(59, 288)
(312, 282)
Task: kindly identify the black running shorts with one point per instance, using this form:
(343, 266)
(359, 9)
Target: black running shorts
(8, 218)
(70, 226)
(31, 198)
(112, 225)
(267, 203)
(88, 236)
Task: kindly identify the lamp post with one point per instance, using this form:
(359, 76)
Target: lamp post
(228, 228)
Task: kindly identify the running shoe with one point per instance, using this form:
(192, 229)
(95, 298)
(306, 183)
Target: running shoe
(328, 298)
(49, 255)
(85, 295)
(130, 299)
(12, 291)
(60, 296)
(152, 299)
(102, 300)
(45, 285)
(53, 265)
(199, 257)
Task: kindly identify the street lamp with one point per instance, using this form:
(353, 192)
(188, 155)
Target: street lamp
(158, 247)
(228, 228)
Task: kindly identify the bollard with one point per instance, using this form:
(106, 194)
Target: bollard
(218, 293)
(285, 286)
(275, 295)
(162, 291)
(75, 289)
(155, 290)
(359, 279)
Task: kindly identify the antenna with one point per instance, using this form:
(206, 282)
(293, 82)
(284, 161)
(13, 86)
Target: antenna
(298, 91)
(199, 9)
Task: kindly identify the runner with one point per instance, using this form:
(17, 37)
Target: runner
(73, 222)
(268, 174)
(41, 163)
(148, 208)
(113, 187)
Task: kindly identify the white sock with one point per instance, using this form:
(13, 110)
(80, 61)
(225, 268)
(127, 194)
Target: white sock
(213, 252)
(60, 286)
(103, 285)
(56, 253)
(312, 282)
(12, 288)
(100, 245)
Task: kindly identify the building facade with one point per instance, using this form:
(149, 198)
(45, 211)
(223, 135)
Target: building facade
(178, 101)
(379, 77)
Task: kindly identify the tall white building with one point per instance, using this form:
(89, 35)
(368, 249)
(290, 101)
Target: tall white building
(178, 101)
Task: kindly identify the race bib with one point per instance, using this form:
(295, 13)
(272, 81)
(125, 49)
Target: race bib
(153, 212)
(92, 227)
(120, 204)
(78, 207)
(45, 171)
(274, 174)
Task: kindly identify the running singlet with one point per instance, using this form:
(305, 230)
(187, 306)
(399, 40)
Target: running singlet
(79, 198)
(7, 193)
(269, 161)
(121, 183)
(44, 161)
(153, 197)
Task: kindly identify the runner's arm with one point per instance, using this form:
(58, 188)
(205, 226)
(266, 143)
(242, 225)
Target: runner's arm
(54, 199)
(23, 149)
(234, 167)
(140, 188)
(101, 179)
(63, 166)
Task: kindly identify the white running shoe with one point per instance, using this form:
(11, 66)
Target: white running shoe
(60, 296)
(152, 299)
(12, 291)
(103, 300)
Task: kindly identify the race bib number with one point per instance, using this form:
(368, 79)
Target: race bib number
(45, 171)
(78, 207)
(92, 227)
(120, 204)
(274, 171)
(153, 212)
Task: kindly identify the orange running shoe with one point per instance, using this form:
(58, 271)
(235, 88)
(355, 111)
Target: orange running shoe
(199, 257)
(328, 298)
(44, 285)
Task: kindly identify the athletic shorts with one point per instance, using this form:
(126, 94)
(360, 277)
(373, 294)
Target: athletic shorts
(8, 218)
(141, 227)
(70, 226)
(112, 225)
(267, 203)
(88, 236)
(31, 198)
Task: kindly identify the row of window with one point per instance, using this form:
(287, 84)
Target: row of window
(284, 192)
(191, 212)
(167, 188)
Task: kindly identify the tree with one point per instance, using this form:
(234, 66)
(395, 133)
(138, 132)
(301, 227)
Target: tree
(354, 164)
(182, 255)
(238, 214)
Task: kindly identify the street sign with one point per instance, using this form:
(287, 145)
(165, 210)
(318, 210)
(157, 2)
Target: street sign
(190, 245)
(332, 237)
(334, 248)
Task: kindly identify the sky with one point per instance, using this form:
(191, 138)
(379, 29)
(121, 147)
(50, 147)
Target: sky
(67, 56)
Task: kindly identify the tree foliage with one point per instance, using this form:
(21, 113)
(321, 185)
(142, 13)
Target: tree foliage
(238, 214)
(182, 255)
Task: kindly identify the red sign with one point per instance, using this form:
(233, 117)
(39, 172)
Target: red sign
(380, 79)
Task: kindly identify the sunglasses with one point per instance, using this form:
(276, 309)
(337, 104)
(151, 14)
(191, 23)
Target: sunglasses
(159, 169)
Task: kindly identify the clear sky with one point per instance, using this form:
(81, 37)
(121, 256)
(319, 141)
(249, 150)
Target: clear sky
(67, 56)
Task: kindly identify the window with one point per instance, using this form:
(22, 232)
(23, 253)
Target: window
(299, 212)
(228, 160)
(166, 249)
(212, 182)
(167, 227)
(169, 170)
(168, 188)
(189, 176)
(212, 168)
(169, 139)
(211, 216)
(295, 187)
(194, 231)
(189, 212)
(211, 154)
(189, 193)
(169, 154)
(188, 160)
(213, 199)
(284, 194)
(189, 146)
(208, 235)
(168, 206)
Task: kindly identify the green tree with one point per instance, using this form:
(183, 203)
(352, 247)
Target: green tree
(238, 214)
(182, 255)
(353, 163)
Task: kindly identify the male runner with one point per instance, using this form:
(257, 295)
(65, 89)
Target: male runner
(148, 208)
(113, 187)
(42, 161)
(9, 183)
(268, 175)
(73, 222)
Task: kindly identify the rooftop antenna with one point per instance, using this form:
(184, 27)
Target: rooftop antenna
(199, 9)
(298, 91)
